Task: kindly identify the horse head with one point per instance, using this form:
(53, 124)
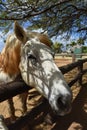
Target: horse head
(38, 69)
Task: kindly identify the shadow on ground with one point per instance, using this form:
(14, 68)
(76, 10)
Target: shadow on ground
(76, 120)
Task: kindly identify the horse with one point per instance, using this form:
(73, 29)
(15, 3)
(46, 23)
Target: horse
(29, 54)
(38, 69)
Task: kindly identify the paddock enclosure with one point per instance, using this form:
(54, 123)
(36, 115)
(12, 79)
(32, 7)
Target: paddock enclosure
(40, 115)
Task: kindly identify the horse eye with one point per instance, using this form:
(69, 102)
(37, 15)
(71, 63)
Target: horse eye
(34, 60)
(31, 56)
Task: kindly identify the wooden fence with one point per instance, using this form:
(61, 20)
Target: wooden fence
(70, 54)
(17, 87)
(81, 70)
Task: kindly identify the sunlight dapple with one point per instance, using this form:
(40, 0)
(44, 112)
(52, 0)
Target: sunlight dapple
(29, 54)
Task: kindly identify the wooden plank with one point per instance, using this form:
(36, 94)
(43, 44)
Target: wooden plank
(12, 89)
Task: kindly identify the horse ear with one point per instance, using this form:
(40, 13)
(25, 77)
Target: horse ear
(19, 32)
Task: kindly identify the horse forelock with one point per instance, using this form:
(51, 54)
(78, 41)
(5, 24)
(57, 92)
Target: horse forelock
(43, 38)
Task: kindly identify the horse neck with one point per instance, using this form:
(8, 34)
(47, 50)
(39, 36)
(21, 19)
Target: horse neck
(9, 62)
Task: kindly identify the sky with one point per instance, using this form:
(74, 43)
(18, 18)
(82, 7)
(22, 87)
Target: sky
(54, 39)
(1, 41)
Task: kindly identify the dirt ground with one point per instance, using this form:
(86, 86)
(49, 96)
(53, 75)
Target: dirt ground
(75, 120)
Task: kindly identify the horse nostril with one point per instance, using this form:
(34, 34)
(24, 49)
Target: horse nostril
(61, 103)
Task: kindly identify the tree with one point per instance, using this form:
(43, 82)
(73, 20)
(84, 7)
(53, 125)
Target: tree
(57, 47)
(73, 43)
(57, 17)
(80, 41)
(84, 49)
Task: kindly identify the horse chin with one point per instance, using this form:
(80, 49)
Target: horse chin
(59, 112)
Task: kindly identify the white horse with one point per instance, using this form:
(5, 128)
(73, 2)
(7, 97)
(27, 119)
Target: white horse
(29, 54)
(39, 70)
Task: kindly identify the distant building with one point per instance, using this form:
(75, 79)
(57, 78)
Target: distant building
(77, 50)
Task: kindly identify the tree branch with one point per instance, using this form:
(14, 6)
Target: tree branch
(82, 29)
(37, 13)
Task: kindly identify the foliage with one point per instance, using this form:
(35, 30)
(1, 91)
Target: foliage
(84, 49)
(73, 43)
(80, 41)
(55, 16)
(57, 47)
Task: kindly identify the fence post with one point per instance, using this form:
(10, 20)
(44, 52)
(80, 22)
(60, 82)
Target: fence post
(80, 69)
(73, 57)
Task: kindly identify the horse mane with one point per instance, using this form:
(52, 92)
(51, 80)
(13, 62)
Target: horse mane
(10, 56)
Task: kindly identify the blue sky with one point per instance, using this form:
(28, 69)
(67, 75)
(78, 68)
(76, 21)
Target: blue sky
(74, 37)
(1, 41)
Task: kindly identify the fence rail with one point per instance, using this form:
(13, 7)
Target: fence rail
(70, 54)
(81, 71)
